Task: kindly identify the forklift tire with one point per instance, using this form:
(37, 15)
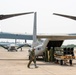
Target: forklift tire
(56, 61)
(70, 61)
(61, 62)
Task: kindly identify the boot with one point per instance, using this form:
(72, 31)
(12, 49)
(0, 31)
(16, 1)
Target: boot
(28, 66)
(36, 66)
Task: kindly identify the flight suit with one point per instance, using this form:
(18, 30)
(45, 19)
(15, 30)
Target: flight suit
(32, 58)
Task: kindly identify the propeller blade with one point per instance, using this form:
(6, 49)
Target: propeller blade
(6, 47)
(13, 15)
(27, 45)
(67, 16)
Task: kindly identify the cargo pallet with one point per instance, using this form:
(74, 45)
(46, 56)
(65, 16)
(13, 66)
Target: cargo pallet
(64, 59)
(64, 56)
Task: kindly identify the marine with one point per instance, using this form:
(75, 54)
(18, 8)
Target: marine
(32, 58)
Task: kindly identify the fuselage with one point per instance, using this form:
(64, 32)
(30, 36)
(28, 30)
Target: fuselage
(47, 43)
(12, 47)
(40, 48)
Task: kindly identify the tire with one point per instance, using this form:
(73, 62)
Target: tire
(61, 62)
(57, 61)
(70, 61)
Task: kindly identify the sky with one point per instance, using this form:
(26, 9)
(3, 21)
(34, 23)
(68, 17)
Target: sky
(47, 23)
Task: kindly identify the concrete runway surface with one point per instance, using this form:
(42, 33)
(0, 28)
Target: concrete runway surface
(15, 63)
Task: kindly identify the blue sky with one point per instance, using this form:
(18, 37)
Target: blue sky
(47, 23)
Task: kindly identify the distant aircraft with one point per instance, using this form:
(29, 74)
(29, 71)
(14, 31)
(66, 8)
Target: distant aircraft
(13, 47)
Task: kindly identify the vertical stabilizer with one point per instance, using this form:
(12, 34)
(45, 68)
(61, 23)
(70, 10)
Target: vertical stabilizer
(35, 30)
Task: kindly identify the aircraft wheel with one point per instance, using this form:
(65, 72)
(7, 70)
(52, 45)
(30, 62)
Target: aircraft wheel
(16, 50)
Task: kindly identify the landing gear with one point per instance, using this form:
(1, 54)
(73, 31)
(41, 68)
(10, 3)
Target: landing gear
(16, 50)
(8, 50)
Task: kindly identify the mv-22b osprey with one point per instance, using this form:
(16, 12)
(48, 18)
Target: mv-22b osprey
(50, 40)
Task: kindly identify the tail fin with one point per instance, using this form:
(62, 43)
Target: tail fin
(35, 30)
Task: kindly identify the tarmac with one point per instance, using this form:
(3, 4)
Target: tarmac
(15, 63)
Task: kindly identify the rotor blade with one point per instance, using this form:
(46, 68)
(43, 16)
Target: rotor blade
(27, 45)
(67, 16)
(13, 15)
(6, 47)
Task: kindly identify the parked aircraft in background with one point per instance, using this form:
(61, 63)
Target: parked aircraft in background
(13, 46)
